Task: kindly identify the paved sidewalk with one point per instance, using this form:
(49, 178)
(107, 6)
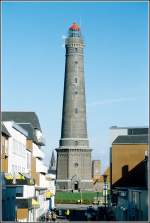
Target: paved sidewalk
(74, 206)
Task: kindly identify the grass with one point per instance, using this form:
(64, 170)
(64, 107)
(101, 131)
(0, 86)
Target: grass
(69, 197)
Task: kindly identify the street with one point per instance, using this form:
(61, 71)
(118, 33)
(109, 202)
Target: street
(83, 213)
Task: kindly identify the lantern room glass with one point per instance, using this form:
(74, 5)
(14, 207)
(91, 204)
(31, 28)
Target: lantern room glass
(74, 33)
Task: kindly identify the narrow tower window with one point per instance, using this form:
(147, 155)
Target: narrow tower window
(76, 110)
(76, 80)
(76, 164)
(76, 143)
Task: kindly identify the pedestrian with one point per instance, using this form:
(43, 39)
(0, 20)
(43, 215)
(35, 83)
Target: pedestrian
(54, 216)
(46, 216)
(49, 216)
(67, 213)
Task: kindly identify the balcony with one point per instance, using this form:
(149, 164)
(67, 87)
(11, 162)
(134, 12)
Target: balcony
(39, 137)
(38, 153)
(27, 203)
(40, 167)
(41, 141)
(25, 191)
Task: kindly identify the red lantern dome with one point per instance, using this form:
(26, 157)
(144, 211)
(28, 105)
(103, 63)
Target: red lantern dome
(74, 27)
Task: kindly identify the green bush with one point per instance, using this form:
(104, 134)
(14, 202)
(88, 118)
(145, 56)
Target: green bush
(72, 198)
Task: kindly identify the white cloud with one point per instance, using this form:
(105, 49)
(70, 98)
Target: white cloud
(111, 101)
(63, 37)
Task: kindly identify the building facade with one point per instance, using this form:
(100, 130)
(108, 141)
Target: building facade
(127, 153)
(74, 153)
(116, 131)
(96, 167)
(17, 153)
(129, 173)
(4, 148)
(17, 189)
(25, 170)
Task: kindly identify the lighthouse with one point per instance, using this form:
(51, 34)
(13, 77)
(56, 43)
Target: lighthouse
(74, 153)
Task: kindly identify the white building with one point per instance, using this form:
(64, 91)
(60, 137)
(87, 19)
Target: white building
(17, 153)
(19, 165)
(51, 181)
(26, 147)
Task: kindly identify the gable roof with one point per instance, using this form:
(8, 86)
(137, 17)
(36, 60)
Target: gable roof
(4, 130)
(22, 117)
(29, 128)
(131, 139)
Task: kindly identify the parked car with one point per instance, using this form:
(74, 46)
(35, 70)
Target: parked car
(90, 213)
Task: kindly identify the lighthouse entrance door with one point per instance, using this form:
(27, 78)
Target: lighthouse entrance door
(76, 185)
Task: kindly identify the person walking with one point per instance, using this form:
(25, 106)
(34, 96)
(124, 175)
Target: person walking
(67, 213)
(54, 216)
(49, 216)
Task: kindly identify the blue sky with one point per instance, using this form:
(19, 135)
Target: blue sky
(116, 65)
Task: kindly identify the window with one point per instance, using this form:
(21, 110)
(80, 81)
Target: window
(76, 80)
(6, 146)
(76, 49)
(76, 92)
(76, 164)
(28, 160)
(13, 168)
(3, 141)
(19, 191)
(76, 143)
(76, 110)
(14, 146)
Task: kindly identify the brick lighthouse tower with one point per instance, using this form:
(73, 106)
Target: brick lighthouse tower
(74, 154)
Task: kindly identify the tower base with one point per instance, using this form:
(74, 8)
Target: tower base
(74, 169)
(68, 185)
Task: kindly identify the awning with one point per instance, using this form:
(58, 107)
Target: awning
(20, 177)
(35, 203)
(31, 181)
(28, 178)
(26, 175)
(48, 194)
(8, 176)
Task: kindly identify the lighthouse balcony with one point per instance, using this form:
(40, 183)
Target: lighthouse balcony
(74, 142)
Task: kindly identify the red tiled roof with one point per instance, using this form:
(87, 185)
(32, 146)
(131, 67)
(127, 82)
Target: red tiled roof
(75, 27)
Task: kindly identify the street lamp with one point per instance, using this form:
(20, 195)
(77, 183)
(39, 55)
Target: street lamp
(105, 188)
(81, 196)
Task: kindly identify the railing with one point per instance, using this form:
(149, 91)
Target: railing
(41, 140)
(40, 167)
(38, 153)
(25, 191)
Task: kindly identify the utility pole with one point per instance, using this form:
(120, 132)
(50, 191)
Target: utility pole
(81, 196)
(105, 189)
